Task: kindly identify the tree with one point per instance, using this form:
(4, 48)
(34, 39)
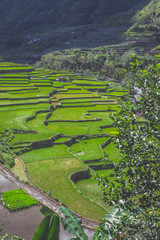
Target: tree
(136, 188)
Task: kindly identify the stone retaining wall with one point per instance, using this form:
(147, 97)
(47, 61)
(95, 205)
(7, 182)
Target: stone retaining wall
(17, 131)
(93, 160)
(80, 175)
(42, 144)
(106, 126)
(101, 167)
(103, 145)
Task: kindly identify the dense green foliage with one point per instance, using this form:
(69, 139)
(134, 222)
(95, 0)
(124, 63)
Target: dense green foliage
(103, 62)
(6, 155)
(137, 174)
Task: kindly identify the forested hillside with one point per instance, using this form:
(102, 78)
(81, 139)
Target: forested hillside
(20, 16)
(147, 21)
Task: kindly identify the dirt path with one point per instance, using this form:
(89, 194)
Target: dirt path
(43, 198)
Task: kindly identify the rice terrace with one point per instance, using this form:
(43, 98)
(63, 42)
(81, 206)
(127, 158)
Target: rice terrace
(59, 125)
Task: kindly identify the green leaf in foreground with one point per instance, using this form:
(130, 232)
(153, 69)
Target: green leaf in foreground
(48, 229)
(72, 224)
(46, 211)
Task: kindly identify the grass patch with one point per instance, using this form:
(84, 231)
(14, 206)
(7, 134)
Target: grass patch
(18, 170)
(92, 190)
(30, 137)
(62, 139)
(15, 116)
(88, 82)
(37, 124)
(110, 131)
(52, 175)
(69, 128)
(83, 100)
(57, 151)
(113, 152)
(80, 113)
(23, 101)
(77, 104)
(73, 95)
(69, 114)
(9, 64)
(116, 93)
(75, 128)
(88, 149)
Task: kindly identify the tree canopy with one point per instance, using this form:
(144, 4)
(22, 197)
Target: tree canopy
(136, 185)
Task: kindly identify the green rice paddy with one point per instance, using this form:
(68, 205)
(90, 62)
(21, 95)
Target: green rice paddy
(17, 199)
(73, 118)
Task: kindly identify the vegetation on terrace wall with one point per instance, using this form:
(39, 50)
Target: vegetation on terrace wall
(6, 155)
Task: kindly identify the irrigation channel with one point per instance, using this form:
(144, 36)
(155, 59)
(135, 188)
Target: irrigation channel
(25, 222)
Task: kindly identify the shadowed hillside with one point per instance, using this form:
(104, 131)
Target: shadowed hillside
(25, 15)
(147, 21)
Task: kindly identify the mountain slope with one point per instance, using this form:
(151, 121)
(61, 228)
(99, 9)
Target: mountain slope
(147, 21)
(21, 16)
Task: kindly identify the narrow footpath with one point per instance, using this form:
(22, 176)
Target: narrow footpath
(43, 198)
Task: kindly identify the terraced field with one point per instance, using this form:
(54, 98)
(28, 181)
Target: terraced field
(62, 132)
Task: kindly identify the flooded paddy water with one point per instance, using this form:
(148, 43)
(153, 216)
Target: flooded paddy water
(24, 222)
